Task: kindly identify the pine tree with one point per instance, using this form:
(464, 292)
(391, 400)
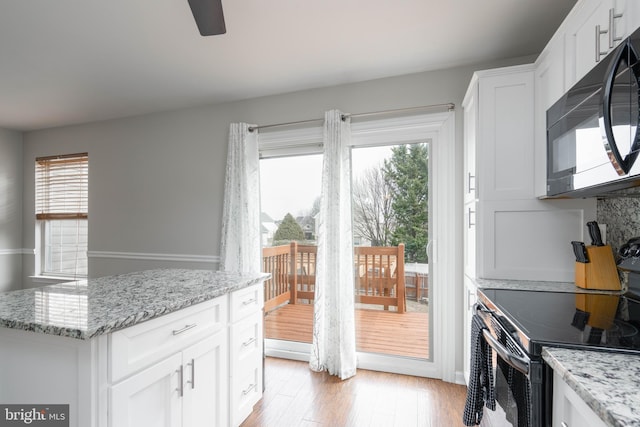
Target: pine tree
(407, 174)
(289, 230)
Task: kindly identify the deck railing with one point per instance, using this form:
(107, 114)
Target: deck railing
(379, 275)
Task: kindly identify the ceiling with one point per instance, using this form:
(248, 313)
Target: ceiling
(73, 61)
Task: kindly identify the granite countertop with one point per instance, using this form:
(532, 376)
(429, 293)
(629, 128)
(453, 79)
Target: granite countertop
(87, 308)
(607, 382)
(531, 285)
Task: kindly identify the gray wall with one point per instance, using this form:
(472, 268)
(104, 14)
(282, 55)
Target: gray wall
(10, 210)
(156, 181)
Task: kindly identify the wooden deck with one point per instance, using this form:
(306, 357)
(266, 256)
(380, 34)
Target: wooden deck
(377, 331)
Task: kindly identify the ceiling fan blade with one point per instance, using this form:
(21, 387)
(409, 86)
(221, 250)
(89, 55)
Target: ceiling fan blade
(209, 17)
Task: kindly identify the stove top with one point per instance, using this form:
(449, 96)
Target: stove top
(580, 320)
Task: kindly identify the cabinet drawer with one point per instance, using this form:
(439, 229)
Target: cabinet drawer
(246, 391)
(246, 301)
(246, 339)
(134, 348)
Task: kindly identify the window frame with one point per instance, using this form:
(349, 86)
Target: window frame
(74, 169)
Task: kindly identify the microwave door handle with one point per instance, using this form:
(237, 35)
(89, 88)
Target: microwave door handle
(621, 165)
(519, 363)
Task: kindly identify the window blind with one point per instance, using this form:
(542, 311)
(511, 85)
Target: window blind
(62, 186)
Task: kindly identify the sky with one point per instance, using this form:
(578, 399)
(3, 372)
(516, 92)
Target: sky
(291, 184)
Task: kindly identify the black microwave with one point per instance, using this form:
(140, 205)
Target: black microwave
(592, 131)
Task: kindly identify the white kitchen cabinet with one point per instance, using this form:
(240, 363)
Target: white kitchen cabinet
(246, 352)
(593, 30)
(549, 78)
(205, 382)
(569, 410)
(499, 133)
(469, 301)
(509, 233)
(185, 388)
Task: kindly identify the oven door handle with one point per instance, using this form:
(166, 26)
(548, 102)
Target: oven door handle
(515, 361)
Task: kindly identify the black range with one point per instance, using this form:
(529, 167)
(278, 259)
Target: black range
(519, 323)
(579, 320)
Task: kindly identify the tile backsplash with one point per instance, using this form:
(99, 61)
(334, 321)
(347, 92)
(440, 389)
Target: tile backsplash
(621, 214)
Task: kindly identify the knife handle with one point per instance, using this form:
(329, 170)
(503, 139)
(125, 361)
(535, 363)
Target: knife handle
(594, 232)
(580, 251)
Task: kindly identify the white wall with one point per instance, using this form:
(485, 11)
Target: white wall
(10, 210)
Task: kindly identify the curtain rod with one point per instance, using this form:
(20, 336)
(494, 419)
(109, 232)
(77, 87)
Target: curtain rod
(449, 107)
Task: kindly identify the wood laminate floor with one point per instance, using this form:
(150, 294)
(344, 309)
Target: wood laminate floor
(295, 396)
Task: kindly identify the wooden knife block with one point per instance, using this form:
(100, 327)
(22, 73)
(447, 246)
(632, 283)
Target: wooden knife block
(600, 272)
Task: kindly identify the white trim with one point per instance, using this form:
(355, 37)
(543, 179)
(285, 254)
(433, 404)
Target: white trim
(446, 260)
(154, 256)
(397, 130)
(439, 130)
(21, 251)
(291, 142)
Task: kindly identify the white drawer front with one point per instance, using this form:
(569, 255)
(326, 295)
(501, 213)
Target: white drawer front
(246, 339)
(134, 348)
(246, 391)
(246, 301)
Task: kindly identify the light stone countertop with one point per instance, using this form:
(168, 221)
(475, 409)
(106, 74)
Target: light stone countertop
(87, 308)
(607, 382)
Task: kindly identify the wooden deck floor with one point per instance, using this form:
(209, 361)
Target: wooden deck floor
(377, 331)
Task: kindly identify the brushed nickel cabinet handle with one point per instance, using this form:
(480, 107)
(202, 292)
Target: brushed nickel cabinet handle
(469, 178)
(249, 342)
(248, 389)
(193, 373)
(180, 384)
(612, 27)
(186, 328)
(599, 32)
(249, 301)
(469, 223)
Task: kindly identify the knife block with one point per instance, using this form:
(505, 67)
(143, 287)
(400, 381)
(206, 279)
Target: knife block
(600, 272)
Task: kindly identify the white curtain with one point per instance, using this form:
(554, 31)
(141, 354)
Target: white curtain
(240, 246)
(334, 341)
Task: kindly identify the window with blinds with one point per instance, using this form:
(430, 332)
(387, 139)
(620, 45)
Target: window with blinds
(62, 193)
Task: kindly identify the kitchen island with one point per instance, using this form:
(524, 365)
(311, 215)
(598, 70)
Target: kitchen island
(159, 347)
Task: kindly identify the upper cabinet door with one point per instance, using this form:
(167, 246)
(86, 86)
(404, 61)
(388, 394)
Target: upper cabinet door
(591, 32)
(505, 147)
(470, 105)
